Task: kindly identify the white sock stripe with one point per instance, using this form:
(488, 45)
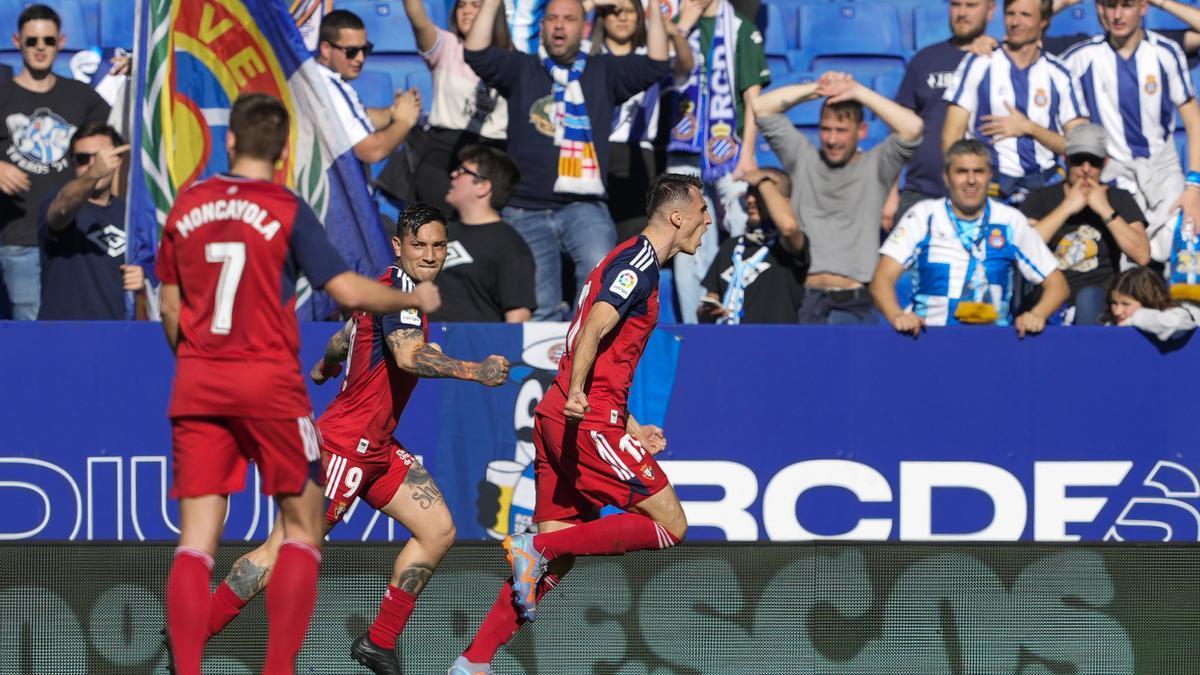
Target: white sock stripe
(195, 553)
(304, 546)
(609, 456)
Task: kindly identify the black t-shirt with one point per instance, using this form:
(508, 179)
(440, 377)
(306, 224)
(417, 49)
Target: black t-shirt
(488, 271)
(925, 81)
(774, 287)
(35, 132)
(1087, 252)
(81, 265)
(5, 73)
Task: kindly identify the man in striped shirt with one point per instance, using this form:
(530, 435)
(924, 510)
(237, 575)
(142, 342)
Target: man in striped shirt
(1133, 82)
(375, 133)
(1019, 100)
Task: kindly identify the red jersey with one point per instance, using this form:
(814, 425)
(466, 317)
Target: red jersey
(235, 246)
(360, 420)
(627, 279)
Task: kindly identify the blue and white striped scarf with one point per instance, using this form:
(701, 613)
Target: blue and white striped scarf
(578, 165)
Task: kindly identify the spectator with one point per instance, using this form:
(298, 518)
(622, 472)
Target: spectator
(923, 90)
(963, 250)
(1088, 225)
(620, 29)
(464, 111)
(838, 191)
(40, 113)
(1189, 38)
(556, 100)
(5, 73)
(1151, 76)
(758, 277)
(713, 129)
(1138, 297)
(1019, 100)
(373, 132)
(82, 233)
(488, 275)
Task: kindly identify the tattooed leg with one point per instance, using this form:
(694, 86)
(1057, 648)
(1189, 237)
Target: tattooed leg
(419, 506)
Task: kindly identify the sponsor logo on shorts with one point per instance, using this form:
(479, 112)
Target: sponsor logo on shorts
(624, 284)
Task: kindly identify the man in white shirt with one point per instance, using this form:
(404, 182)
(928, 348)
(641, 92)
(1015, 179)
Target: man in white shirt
(1019, 100)
(374, 132)
(1134, 81)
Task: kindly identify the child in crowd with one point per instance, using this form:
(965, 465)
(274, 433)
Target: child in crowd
(1138, 297)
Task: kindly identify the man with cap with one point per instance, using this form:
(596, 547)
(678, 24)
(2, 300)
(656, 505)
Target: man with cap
(1088, 225)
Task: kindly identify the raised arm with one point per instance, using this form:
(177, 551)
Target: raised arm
(423, 28)
(1184, 12)
(781, 99)
(678, 31)
(907, 124)
(779, 209)
(602, 318)
(336, 350)
(480, 37)
(74, 195)
(656, 34)
(414, 355)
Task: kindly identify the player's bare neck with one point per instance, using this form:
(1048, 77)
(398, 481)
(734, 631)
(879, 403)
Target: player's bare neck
(1126, 46)
(662, 238)
(250, 167)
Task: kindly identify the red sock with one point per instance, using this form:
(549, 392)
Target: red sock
(502, 622)
(291, 595)
(226, 605)
(187, 608)
(394, 611)
(611, 535)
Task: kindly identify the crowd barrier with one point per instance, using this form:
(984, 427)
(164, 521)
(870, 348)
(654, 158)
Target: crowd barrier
(779, 433)
(715, 609)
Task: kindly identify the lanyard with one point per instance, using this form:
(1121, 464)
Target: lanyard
(975, 283)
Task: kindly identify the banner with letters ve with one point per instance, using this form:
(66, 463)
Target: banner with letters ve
(774, 433)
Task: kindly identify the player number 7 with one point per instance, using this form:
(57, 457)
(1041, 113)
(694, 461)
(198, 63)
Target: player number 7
(232, 256)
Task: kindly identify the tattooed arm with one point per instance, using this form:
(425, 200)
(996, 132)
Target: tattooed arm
(420, 358)
(336, 351)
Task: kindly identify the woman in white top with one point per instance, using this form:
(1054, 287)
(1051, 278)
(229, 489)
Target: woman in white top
(464, 111)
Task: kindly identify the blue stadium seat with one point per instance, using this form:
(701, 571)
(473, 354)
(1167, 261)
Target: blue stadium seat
(387, 25)
(777, 41)
(876, 133)
(888, 84)
(1078, 19)
(1158, 19)
(374, 88)
(117, 24)
(91, 13)
(765, 157)
(931, 25)
(870, 34)
(423, 81)
(805, 114)
(401, 68)
(864, 69)
(996, 25)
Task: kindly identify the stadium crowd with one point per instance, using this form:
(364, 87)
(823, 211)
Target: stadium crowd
(1006, 179)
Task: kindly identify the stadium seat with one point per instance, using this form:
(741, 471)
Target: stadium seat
(867, 36)
(996, 25)
(91, 13)
(888, 84)
(777, 41)
(387, 25)
(804, 114)
(931, 25)
(401, 68)
(765, 157)
(423, 81)
(1158, 19)
(1078, 19)
(117, 25)
(374, 88)
(864, 69)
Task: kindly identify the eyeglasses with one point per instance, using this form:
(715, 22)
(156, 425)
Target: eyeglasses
(1080, 159)
(83, 158)
(48, 40)
(474, 174)
(352, 52)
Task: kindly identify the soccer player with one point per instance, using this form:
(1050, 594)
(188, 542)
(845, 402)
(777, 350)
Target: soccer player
(385, 357)
(231, 250)
(591, 452)
(962, 250)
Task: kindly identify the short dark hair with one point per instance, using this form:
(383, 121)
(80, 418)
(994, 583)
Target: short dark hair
(967, 146)
(669, 188)
(414, 216)
(1045, 6)
(38, 13)
(96, 128)
(260, 124)
(333, 23)
(497, 168)
(843, 109)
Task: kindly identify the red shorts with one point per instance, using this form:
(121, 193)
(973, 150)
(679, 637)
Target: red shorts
(210, 454)
(376, 482)
(579, 471)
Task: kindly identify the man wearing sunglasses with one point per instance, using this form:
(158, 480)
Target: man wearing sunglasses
(82, 234)
(1088, 225)
(343, 50)
(39, 113)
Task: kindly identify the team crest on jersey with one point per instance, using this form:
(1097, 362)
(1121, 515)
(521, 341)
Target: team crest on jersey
(1151, 85)
(1040, 99)
(996, 238)
(647, 472)
(411, 317)
(339, 510)
(624, 284)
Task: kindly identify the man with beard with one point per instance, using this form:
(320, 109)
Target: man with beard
(838, 191)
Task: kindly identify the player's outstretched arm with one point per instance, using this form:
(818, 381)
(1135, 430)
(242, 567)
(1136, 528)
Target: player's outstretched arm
(336, 351)
(169, 300)
(356, 292)
(600, 321)
(422, 359)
